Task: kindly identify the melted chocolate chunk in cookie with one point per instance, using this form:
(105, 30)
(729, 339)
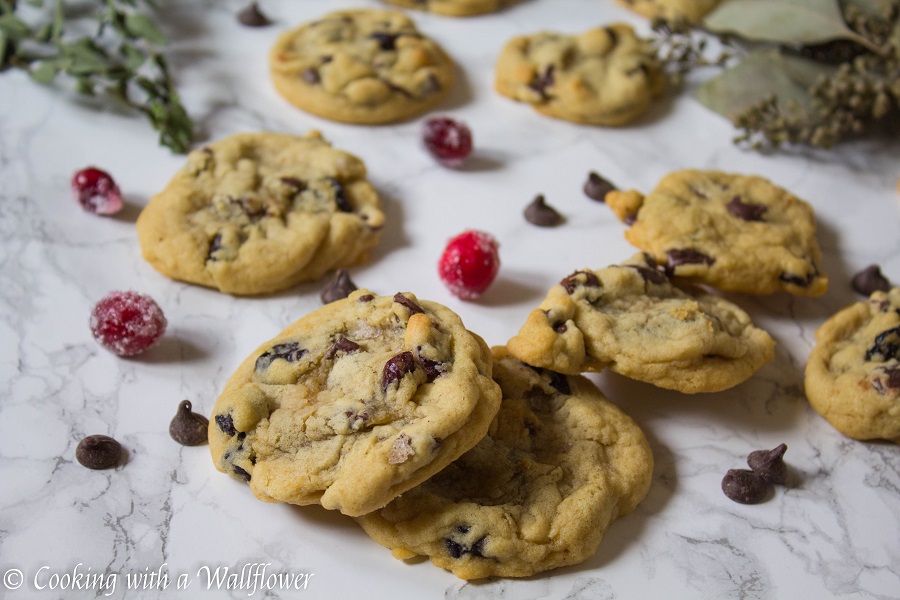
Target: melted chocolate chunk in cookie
(747, 211)
(291, 352)
(886, 346)
(585, 278)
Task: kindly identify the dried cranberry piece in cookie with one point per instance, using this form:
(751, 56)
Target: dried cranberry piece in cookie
(97, 192)
(127, 323)
(469, 264)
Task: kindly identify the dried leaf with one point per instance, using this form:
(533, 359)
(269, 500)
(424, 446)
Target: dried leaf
(760, 75)
(791, 22)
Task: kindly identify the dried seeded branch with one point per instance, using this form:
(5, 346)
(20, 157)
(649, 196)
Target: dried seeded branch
(121, 59)
(680, 49)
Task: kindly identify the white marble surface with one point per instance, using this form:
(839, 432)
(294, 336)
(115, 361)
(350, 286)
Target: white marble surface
(833, 532)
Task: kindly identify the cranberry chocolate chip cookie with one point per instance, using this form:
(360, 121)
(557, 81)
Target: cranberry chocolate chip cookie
(355, 403)
(256, 213)
(631, 319)
(738, 233)
(853, 372)
(691, 10)
(559, 464)
(454, 8)
(604, 76)
(361, 66)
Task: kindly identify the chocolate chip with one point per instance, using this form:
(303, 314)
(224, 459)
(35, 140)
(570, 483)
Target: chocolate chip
(799, 280)
(540, 82)
(396, 368)
(387, 41)
(251, 16)
(560, 328)
(769, 464)
(291, 352)
(311, 76)
(870, 280)
(342, 345)
(241, 472)
(746, 211)
(686, 256)
(596, 187)
(886, 346)
(613, 37)
(559, 382)
(744, 486)
(585, 278)
(365, 298)
(411, 306)
(650, 275)
(339, 198)
(98, 452)
(226, 425)
(215, 245)
(885, 379)
(338, 288)
(457, 550)
(433, 368)
(295, 183)
(188, 428)
(540, 214)
(454, 548)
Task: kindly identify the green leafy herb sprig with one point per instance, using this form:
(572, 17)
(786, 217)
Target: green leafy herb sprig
(810, 72)
(121, 58)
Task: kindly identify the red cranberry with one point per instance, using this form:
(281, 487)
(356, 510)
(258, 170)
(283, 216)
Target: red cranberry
(448, 141)
(127, 323)
(96, 191)
(469, 264)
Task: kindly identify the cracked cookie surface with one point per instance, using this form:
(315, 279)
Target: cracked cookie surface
(355, 403)
(692, 10)
(853, 372)
(559, 464)
(454, 8)
(256, 213)
(604, 76)
(630, 319)
(360, 66)
(739, 233)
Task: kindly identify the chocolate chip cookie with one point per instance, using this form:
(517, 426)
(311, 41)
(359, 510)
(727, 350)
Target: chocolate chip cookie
(454, 8)
(559, 464)
(355, 403)
(604, 76)
(691, 10)
(630, 318)
(256, 213)
(853, 372)
(360, 66)
(738, 233)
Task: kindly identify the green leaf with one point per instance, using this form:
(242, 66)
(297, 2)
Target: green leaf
(14, 27)
(59, 18)
(142, 26)
(760, 75)
(45, 71)
(133, 56)
(84, 57)
(791, 22)
(4, 48)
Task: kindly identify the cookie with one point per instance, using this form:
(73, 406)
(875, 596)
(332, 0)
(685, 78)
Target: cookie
(604, 76)
(559, 464)
(355, 403)
(691, 10)
(453, 8)
(738, 233)
(361, 66)
(853, 372)
(256, 213)
(630, 319)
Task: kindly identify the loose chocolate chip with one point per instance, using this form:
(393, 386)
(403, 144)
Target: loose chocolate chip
(411, 306)
(890, 380)
(98, 452)
(596, 187)
(338, 288)
(226, 425)
(387, 41)
(311, 76)
(585, 278)
(744, 486)
(870, 280)
(396, 368)
(251, 16)
(295, 183)
(769, 464)
(188, 428)
(688, 256)
(291, 352)
(540, 82)
(339, 198)
(746, 211)
(885, 347)
(540, 214)
(342, 345)
(241, 472)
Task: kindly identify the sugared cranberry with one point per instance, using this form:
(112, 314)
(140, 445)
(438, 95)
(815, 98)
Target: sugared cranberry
(448, 141)
(96, 191)
(127, 323)
(469, 263)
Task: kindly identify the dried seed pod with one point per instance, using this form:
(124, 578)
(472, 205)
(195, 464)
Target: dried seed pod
(98, 452)
(188, 428)
(769, 464)
(744, 486)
